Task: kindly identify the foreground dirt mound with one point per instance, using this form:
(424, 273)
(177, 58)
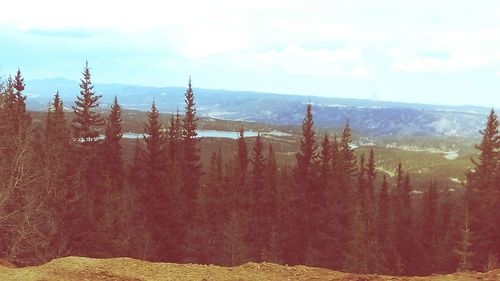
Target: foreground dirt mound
(126, 269)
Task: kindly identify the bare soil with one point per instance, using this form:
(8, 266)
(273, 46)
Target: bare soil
(126, 269)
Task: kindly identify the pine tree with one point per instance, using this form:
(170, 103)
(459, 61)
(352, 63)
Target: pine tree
(258, 164)
(308, 147)
(153, 195)
(347, 153)
(137, 231)
(273, 251)
(344, 195)
(361, 190)
(18, 172)
(357, 256)
(303, 193)
(485, 195)
(242, 157)
(371, 175)
(63, 199)
(326, 161)
(112, 148)
(261, 209)
(174, 149)
(427, 230)
(464, 250)
(86, 119)
(191, 168)
(23, 118)
(402, 210)
(111, 224)
(383, 221)
(173, 185)
(86, 124)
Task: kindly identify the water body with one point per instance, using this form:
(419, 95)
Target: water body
(451, 155)
(203, 134)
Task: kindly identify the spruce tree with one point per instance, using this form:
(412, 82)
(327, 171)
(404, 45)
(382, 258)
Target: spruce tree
(64, 201)
(153, 194)
(302, 193)
(112, 148)
(261, 210)
(112, 223)
(308, 147)
(326, 161)
(86, 120)
(383, 221)
(191, 169)
(86, 124)
(361, 188)
(484, 192)
(427, 231)
(371, 175)
(137, 231)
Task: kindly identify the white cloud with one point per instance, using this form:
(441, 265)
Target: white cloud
(497, 74)
(310, 62)
(456, 62)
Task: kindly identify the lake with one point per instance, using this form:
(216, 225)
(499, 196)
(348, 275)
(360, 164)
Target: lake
(203, 134)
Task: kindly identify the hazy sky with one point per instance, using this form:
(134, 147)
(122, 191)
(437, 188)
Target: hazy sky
(428, 51)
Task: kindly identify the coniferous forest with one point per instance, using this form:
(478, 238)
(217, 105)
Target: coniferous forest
(66, 189)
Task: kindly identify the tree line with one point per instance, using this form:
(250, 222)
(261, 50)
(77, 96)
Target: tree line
(66, 190)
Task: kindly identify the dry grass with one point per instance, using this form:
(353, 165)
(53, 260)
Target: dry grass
(126, 269)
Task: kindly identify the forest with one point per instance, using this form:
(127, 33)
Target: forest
(66, 190)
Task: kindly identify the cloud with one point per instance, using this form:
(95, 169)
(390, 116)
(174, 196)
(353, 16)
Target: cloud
(295, 60)
(66, 33)
(456, 62)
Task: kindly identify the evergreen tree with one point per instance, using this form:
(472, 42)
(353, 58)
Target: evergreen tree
(261, 209)
(485, 195)
(17, 174)
(173, 185)
(63, 199)
(326, 161)
(111, 224)
(270, 196)
(464, 250)
(371, 175)
(85, 124)
(361, 190)
(174, 152)
(344, 195)
(357, 256)
(191, 168)
(22, 117)
(86, 119)
(112, 148)
(302, 193)
(153, 194)
(383, 221)
(137, 231)
(308, 147)
(402, 212)
(242, 157)
(427, 229)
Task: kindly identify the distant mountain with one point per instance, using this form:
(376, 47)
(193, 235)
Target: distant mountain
(376, 118)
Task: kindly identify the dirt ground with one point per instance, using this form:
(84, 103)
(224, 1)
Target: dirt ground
(126, 269)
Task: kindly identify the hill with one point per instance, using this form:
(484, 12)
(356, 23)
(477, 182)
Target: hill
(126, 269)
(371, 117)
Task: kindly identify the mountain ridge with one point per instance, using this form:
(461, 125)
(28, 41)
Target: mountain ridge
(371, 117)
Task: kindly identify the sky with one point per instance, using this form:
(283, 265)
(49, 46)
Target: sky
(426, 51)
